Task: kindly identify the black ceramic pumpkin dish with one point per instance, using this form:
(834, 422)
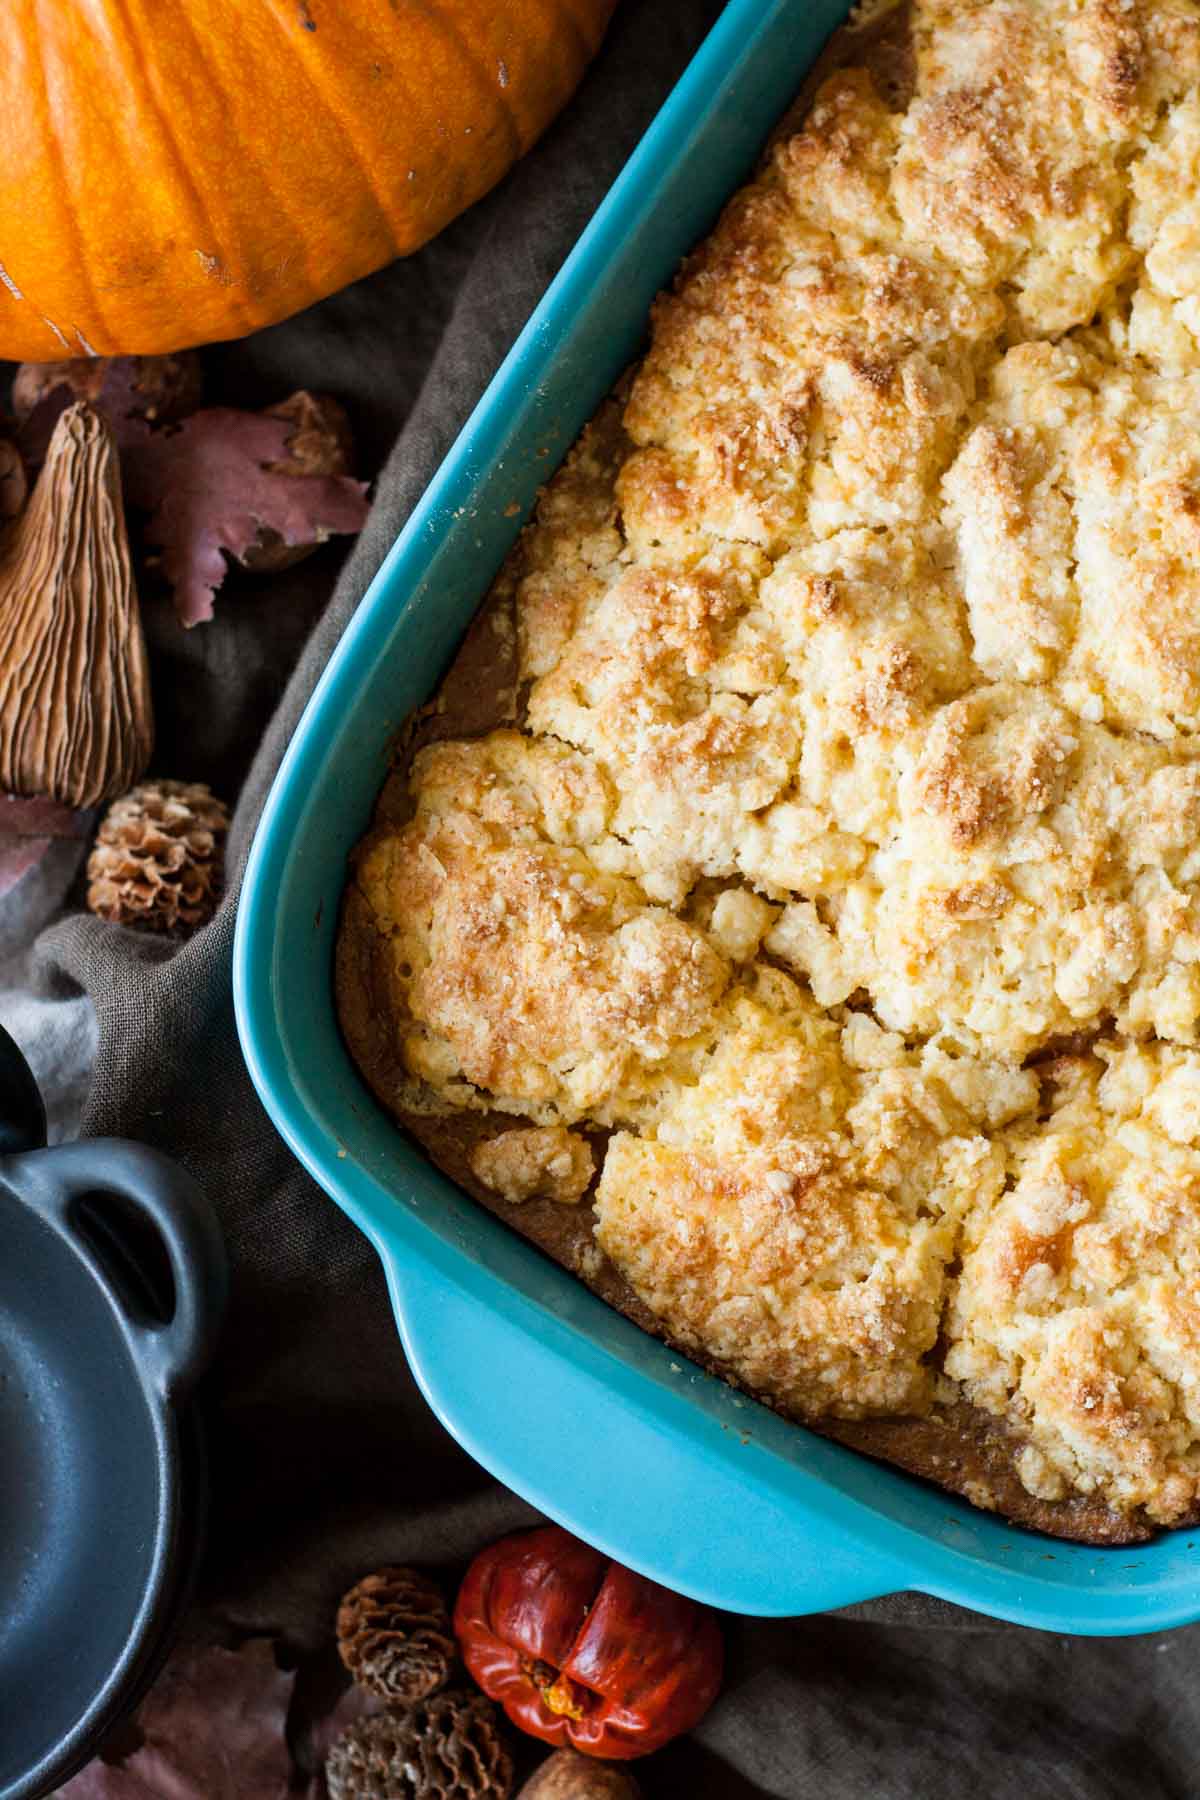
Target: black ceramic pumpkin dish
(112, 1284)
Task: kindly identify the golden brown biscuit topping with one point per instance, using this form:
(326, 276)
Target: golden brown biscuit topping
(859, 765)
(540, 1161)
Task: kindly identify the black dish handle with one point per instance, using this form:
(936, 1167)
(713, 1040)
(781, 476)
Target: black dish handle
(171, 1354)
(22, 1115)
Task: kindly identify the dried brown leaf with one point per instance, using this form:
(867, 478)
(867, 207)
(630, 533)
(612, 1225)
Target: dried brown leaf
(320, 441)
(13, 485)
(21, 817)
(125, 389)
(28, 829)
(211, 1728)
(210, 491)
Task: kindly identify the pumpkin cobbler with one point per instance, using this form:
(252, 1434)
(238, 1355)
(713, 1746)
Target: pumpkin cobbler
(788, 914)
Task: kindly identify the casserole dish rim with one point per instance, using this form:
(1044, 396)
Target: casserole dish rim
(793, 1523)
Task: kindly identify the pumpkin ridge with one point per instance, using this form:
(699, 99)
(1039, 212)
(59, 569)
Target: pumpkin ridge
(295, 223)
(321, 93)
(135, 72)
(41, 103)
(496, 94)
(562, 12)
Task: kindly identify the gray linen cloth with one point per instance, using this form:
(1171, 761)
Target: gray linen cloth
(326, 1460)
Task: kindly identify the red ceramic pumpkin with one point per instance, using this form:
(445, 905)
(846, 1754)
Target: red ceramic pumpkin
(176, 171)
(580, 1651)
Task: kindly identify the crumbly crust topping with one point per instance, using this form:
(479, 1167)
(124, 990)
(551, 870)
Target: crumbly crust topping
(535, 1162)
(859, 769)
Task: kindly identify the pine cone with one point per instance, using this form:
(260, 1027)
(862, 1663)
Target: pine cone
(158, 857)
(445, 1748)
(394, 1635)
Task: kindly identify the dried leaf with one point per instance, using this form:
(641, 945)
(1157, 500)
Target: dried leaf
(13, 486)
(75, 714)
(17, 857)
(211, 1728)
(320, 441)
(125, 389)
(209, 488)
(28, 828)
(33, 437)
(21, 817)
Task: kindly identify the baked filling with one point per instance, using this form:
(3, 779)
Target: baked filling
(833, 861)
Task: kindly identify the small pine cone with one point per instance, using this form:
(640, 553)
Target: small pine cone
(448, 1747)
(394, 1635)
(158, 857)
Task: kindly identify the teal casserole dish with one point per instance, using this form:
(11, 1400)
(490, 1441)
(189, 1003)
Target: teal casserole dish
(779, 1520)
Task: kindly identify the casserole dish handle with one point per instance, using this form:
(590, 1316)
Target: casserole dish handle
(585, 1448)
(68, 1187)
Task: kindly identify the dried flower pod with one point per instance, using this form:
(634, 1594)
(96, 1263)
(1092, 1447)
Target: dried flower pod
(320, 443)
(158, 859)
(569, 1776)
(75, 716)
(448, 1747)
(394, 1635)
(155, 388)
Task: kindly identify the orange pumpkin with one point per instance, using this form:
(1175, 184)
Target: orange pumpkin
(176, 171)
